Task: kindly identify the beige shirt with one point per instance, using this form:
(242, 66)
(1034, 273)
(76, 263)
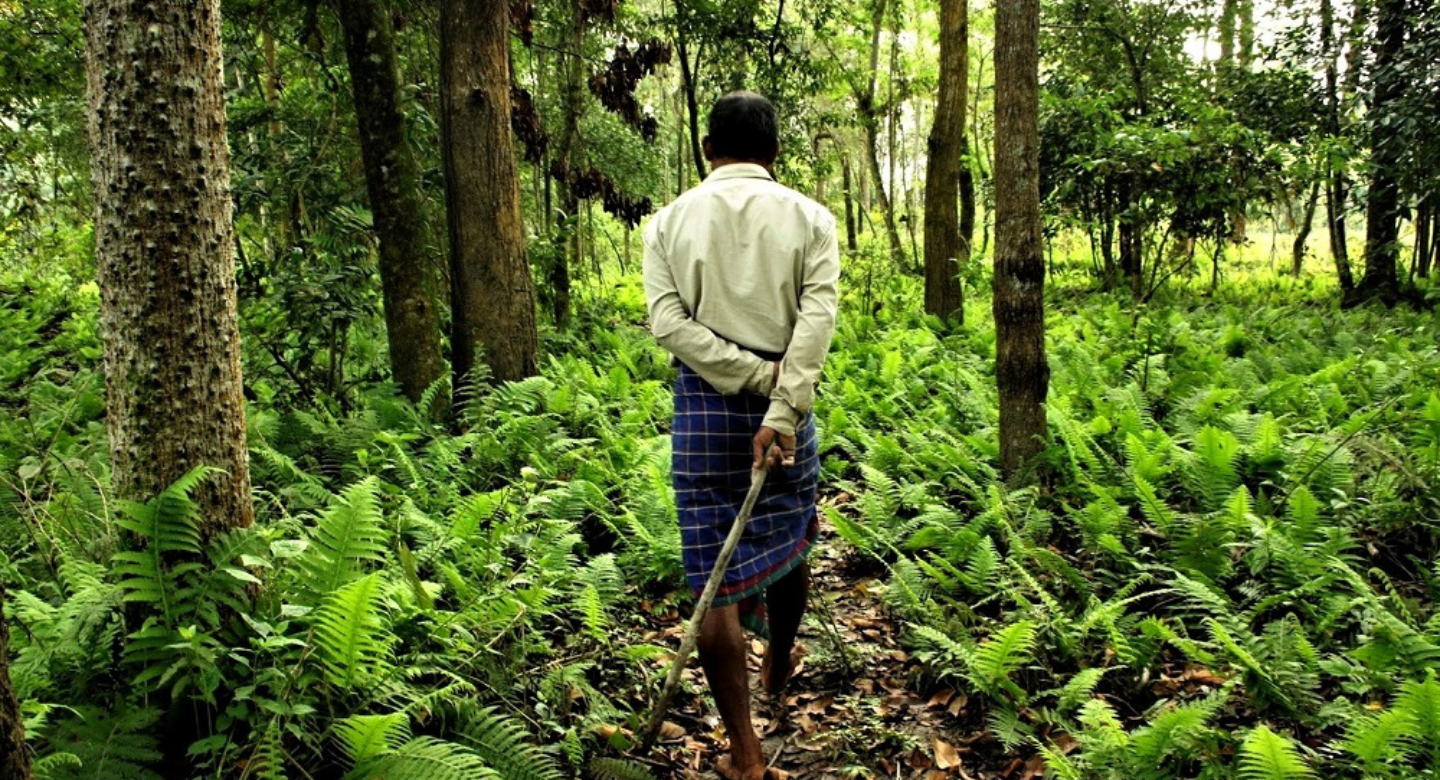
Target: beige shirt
(742, 260)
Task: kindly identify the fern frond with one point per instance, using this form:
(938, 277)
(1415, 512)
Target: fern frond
(350, 636)
(506, 746)
(1265, 755)
(618, 769)
(348, 537)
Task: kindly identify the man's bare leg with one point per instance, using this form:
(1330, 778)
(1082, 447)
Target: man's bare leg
(785, 606)
(722, 654)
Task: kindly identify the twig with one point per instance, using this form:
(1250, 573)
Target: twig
(707, 597)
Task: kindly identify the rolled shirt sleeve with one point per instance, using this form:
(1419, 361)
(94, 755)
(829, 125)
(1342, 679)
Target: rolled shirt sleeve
(794, 394)
(727, 368)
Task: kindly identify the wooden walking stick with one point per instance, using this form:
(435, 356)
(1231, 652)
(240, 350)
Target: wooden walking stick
(707, 597)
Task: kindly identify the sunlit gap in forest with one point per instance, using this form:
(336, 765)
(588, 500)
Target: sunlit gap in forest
(632, 389)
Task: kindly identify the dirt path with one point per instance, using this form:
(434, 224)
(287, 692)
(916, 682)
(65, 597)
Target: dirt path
(858, 707)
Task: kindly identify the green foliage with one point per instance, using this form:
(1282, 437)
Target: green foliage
(1265, 755)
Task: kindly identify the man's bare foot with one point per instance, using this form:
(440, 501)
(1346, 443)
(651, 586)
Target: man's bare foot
(725, 768)
(775, 673)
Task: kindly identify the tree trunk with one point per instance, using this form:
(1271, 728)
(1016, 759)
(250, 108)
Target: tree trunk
(688, 73)
(1334, 179)
(14, 757)
(847, 180)
(1228, 13)
(1424, 238)
(392, 179)
(946, 251)
(165, 252)
(1022, 373)
(492, 296)
(870, 118)
(1246, 12)
(1302, 234)
(1382, 205)
(569, 229)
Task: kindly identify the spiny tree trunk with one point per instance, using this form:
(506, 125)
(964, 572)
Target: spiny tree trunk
(1021, 370)
(392, 178)
(946, 251)
(14, 758)
(492, 296)
(1382, 205)
(164, 247)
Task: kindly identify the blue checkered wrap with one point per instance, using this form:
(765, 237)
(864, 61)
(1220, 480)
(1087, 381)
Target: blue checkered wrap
(710, 466)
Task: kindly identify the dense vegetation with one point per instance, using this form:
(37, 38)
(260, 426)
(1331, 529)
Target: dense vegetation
(1223, 563)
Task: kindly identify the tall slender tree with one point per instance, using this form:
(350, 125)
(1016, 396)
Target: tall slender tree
(492, 296)
(870, 119)
(164, 247)
(1022, 372)
(1335, 185)
(1382, 203)
(14, 757)
(392, 179)
(946, 249)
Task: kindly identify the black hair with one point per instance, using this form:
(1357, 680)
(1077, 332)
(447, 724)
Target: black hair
(744, 126)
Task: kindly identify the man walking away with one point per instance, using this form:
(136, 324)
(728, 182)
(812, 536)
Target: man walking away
(741, 281)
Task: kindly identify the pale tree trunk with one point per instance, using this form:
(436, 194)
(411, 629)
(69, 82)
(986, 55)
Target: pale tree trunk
(392, 178)
(164, 248)
(1382, 204)
(492, 296)
(870, 118)
(946, 251)
(1021, 371)
(14, 757)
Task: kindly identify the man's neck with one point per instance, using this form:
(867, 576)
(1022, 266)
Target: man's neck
(720, 162)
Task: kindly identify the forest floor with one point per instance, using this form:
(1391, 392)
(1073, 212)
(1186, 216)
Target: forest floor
(858, 705)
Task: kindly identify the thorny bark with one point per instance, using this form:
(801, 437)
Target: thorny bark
(492, 296)
(392, 178)
(1021, 370)
(165, 252)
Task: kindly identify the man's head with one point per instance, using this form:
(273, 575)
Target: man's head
(743, 128)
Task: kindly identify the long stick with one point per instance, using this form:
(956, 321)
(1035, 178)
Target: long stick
(707, 597)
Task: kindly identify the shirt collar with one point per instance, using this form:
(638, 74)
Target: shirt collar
(739, 171)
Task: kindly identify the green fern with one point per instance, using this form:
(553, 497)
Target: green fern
(381, 746)
(506, 745)
(118, 745)
(1265, 755)
(347, 538)
(618, 769)
(350, 636)
(992, 663)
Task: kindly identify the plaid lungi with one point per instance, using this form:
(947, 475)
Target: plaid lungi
(710, 465)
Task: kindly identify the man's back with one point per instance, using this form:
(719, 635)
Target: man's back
(738, 248)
